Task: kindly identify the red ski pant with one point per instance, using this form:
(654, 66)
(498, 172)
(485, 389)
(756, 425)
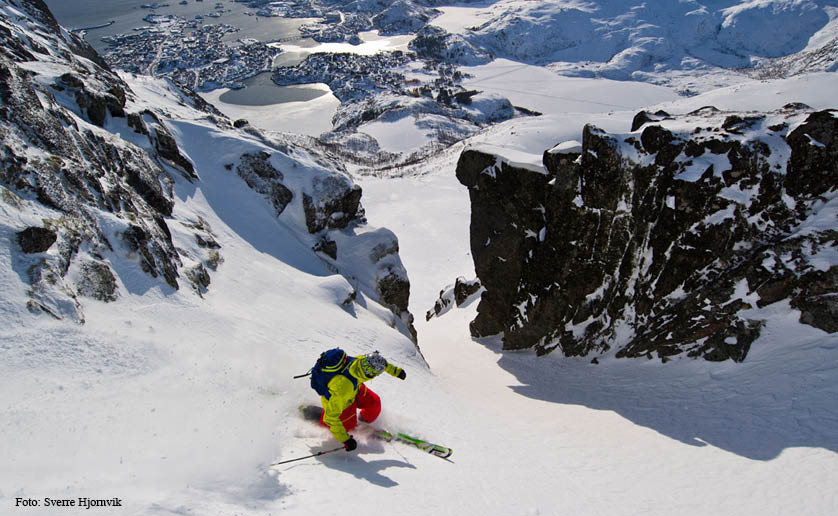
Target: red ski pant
(367, 401)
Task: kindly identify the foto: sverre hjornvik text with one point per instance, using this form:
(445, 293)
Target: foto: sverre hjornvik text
(81, 501)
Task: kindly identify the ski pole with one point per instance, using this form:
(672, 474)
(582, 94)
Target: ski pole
(308, 456)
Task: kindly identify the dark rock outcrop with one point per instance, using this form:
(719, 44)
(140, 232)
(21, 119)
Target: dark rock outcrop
(458, 295)
(391, 282)
(260, 175)
(333, 203)
(98, 282)
(813, 167)
(327, 247)
(36, 240)
(93, 100)
(662, 241)
(166, 149)
(78, 173)
(464, 289)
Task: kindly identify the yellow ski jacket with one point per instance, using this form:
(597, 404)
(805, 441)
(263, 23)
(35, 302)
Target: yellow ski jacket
(342, 393)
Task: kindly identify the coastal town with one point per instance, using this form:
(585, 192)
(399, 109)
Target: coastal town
(198, 54)
(205, 56)
(189, 52)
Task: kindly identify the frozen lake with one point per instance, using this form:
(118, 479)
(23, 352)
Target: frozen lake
(260, 90)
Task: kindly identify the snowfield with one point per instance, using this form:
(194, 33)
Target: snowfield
(178, 404)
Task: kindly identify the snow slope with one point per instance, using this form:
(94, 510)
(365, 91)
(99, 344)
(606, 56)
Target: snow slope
(179, 405)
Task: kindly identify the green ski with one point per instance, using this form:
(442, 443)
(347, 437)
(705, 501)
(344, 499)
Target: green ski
(312, 413)
(433, 449)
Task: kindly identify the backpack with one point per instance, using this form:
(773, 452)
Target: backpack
(330, 364)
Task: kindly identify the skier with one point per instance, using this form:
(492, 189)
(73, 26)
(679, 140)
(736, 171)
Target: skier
(347, 394)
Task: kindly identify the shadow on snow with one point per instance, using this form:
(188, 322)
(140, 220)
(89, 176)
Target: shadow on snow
(780, 398)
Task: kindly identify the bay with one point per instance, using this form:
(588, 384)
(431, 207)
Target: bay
(260, 90)
(127, 14)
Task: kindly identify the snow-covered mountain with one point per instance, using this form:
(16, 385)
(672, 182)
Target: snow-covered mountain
(166, 271)
(94, 168)
(624, 39)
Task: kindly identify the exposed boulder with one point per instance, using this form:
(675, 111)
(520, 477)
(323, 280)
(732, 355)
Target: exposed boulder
(36, 240)
(643, 117)
(464, 289)
(441, 305)
(53, 248)
(458, 295)
(199, 278)
(391, 282)
(333, 202)
(394, 289)
(260, 175)
(155, 258)
(662, 241)
(328, 247)
(97, 281)
(813, 166)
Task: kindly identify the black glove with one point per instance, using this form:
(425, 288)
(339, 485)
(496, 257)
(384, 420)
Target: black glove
(350, 444)
(402, 375)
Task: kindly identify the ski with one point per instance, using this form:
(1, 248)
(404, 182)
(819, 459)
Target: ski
(312, 413)
(434, 449)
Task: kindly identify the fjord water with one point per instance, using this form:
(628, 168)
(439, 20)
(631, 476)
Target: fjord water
(127, 14)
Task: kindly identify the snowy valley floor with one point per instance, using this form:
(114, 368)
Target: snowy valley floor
(178, 405)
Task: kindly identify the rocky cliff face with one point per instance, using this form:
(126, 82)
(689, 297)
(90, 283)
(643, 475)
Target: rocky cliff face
(55, 153)
(88, 169)
(661, 241)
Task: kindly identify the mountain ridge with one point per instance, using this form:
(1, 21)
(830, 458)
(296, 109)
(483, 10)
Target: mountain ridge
(110, 164)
